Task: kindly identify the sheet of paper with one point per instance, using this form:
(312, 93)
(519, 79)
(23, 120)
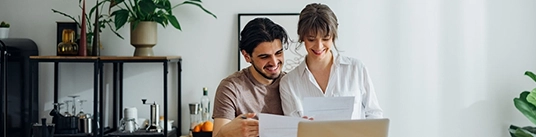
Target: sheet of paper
(278, 126)
(328, 108)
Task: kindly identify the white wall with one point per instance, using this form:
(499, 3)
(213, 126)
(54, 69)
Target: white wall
(441, 68)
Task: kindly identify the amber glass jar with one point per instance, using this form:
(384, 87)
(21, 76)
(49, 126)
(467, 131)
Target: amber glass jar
(68, 46)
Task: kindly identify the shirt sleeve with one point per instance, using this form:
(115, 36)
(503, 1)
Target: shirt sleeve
(289, 101)
(370, 104)
(224, 100)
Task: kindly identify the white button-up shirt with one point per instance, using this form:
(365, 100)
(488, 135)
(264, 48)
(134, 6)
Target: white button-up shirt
(348, 77)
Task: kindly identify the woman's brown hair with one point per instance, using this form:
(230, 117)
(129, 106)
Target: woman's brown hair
(315, 19)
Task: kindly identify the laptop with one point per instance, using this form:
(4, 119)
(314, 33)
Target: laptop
(344, 128)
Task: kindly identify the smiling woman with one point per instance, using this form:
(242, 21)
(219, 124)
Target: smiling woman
(292, 56)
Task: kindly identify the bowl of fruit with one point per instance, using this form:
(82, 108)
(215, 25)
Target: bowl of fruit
(203, 129)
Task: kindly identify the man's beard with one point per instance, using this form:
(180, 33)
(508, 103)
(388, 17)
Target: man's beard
(264, 75)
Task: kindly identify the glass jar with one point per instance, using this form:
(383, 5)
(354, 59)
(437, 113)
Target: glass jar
(195, 116)
(68, 46)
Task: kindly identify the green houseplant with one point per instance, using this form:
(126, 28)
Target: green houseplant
(4, 25)
(143, 16)
(4, 30)
(526, 104)
(103, 20)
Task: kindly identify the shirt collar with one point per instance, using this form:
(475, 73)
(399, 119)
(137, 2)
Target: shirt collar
(338, 60)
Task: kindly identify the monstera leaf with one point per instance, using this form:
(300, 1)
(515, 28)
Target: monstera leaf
(525, 107)
(531, 98)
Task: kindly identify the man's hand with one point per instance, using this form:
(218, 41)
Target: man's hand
(241, 126)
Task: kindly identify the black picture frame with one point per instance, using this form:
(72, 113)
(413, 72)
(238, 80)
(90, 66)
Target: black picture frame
(289, 21)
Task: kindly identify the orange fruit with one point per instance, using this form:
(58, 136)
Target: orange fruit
(197, 129)
(208, 126)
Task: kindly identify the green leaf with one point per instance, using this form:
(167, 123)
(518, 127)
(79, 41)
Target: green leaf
(523, 95)
(531, 75)
(68, 16)
(174, 22)
(94, 8)
(198, 5)
(134, 24)
(526, 109)
(115, 32)
(121, 17)
(147, 7)
(162, 4)
(521, 133)
(531, 98)
(530, 129)
(161, 18)
(114, 2)
(512, 129)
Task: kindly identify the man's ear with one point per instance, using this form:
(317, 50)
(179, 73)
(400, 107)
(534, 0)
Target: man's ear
(246, 56)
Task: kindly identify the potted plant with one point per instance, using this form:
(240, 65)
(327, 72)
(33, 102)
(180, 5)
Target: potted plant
(143, 16)
(4, 30)
(526, 104)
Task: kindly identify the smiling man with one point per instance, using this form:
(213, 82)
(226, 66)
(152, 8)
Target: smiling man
(255, 89)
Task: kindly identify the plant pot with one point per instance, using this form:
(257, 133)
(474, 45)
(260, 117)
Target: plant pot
(143, 38)
(4, 33)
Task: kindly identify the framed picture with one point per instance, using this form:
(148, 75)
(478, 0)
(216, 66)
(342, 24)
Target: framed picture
(289, 21)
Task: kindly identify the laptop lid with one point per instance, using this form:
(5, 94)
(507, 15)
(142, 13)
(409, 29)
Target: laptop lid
(344, 128)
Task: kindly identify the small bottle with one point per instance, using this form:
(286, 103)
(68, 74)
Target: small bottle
(205, 106)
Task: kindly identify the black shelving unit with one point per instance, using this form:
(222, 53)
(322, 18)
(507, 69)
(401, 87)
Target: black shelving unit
(117, 62)
(97, 67)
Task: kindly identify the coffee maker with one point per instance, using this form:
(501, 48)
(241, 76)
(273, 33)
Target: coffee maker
(154, 125)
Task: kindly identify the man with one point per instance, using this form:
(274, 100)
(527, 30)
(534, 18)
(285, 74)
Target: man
(255, 89)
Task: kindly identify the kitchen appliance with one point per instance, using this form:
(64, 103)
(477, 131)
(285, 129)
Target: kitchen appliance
(18, 103)
(154, 125)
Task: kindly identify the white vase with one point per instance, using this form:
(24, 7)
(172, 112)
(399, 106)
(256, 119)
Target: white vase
(4, 33)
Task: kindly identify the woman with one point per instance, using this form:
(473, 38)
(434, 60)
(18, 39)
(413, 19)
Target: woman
(323, 73)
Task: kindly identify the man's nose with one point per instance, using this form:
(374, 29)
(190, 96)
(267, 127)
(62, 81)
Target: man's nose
(273, 60)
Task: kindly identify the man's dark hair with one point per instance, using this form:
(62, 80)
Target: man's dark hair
(260, 30)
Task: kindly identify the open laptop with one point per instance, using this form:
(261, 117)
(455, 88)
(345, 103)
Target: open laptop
(344, 128)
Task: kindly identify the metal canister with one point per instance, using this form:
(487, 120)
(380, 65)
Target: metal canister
(84, 123)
